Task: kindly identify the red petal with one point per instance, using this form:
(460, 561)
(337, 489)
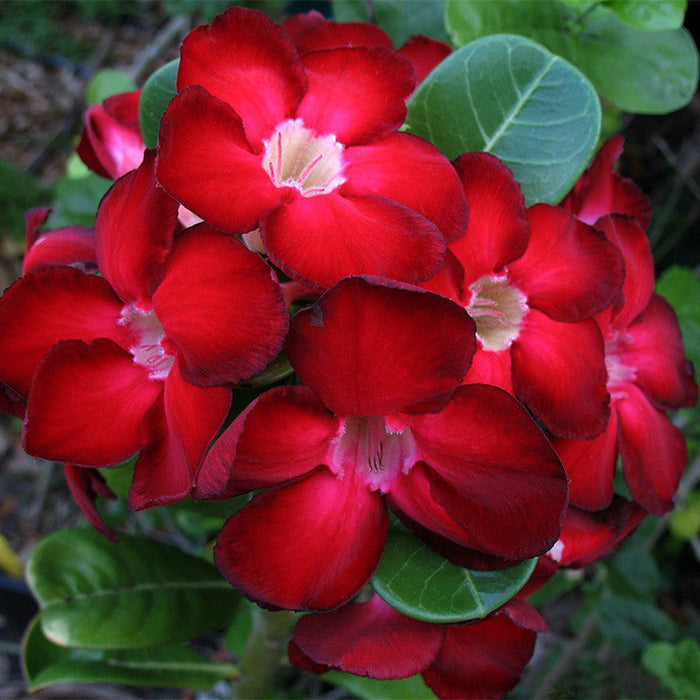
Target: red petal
(179, 431)
(484, 659)
(206, 163)
(370, 350)
(657, 354)
(601, 191)
(424, 53)
(49, 305)
(653, 451)
(590, 465)
(87, 404)
(498, 229)
(72, 245)
(369, 639)
(326, 238)
(358, 94)
(311, 545)
(282, 435)
(638, 285)
(491, 368)
(311, 31)
(134, 229)
(570, 271)
(587, 537)
(559, 374)
(494, 472)
(85, 484)
(220, 306)
(246, 60)
(124, 107)
(411, 171)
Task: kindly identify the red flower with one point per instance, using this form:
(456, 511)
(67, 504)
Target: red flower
(533, 280)
(647, 376)
(307, 149)
(113, 365)
(111, 143)
(382, 415)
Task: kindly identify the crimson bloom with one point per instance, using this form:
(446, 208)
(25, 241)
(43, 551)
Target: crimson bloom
(382, 419)
(127, 361)
(532, 279)
(307, 149)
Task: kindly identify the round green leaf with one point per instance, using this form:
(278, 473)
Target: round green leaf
(511, 97)
(157, 92)
(172, 666)
(420, 583)
(137, 593)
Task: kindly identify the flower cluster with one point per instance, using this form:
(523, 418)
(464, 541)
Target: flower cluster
(466, 364)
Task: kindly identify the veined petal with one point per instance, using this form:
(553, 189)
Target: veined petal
(357, 93)
(369, 639)
(134, 230)
(282, 435)
(483, 659)
(498, 230)
(653, 451)
(311, 31)
(590, 465)
(49, 305)
(424, 53)
(179, 429)
(326, 238)
(559, 374)
(220, 306)
(246, 60)
(570, 271)
(367, 349)
(310, 545)
(412, 171)
(206, 163)
(494, 472)
(87, 404)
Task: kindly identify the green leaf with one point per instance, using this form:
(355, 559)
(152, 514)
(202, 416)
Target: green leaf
(413, 688)
(644, 72)
(420, 583)
(173, 666)
(676, 665)
(137, 593)
(509, 96)
(108, 82)
(400, 19)
(631, 625)
(634, 573)
(276, 371)
(158, 90)
(650, 15)
(681, 287)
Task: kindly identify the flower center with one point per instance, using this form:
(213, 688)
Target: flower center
(367, 445)
(297, 157)
(148, 350)
(498, 309)
(619, 372)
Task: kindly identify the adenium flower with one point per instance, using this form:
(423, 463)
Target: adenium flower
(307, 149)
(128, 361)
(111, 143)
(532, 279)
(380, 420)
(647, 375)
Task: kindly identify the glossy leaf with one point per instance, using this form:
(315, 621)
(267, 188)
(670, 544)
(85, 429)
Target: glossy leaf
(173, 666)
(650, 15)
(158, 90)
(511, 97)
(420, 583)
(137, 593)
(639, 71)
(392, 16)
(413, 688)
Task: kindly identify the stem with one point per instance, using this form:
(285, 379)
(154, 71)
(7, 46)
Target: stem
(266, 647)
